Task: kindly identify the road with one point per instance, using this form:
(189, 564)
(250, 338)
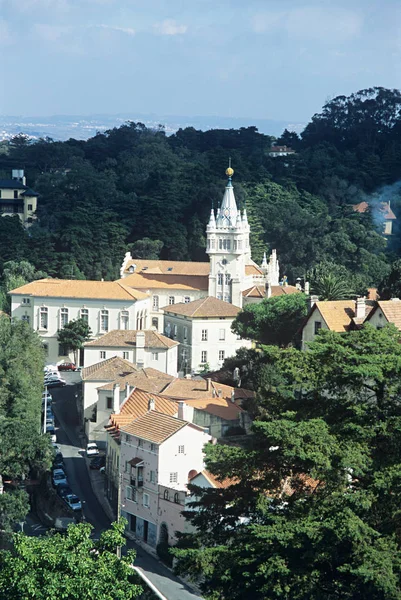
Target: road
(64, 407)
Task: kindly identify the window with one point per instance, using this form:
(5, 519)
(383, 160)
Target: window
(30, 206)
(102, 354)
(171, 300)
(84, 314)
(239, 244)
(185, 333)
(175, 329)
(226, 297)
(109, 402)
(26, 300)
(173, 477)
(318, 325)
(220, 278)
(222, 334)
(176, 498)
(204, 335)
(63, 317)
(187, 299)
(213, 244)
(166, 495)
(128, 492)
(43, 312)
(155, 322)
(146, 500)
(15, 194)
(152, 477)
(29, 220)
(220, 244)
(124, 319)
(155, 302)
(203, 356)
(181, 449)
(62, 350)
(153, 447)
(140, 443)
(127, 465)
(104, 320)
(221, 354)
(228, 278)
(126, 355)
(46, 348)
(155, 356)
(25, 318)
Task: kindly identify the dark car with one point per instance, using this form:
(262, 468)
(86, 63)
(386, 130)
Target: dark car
(67, 367)
(56, 383)
(58, 462)
(64, 490)
(98, 462)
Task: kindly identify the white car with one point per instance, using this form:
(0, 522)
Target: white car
(48, 368)
(92, 449)
(59, 477)
(51, 377)
(73, 502)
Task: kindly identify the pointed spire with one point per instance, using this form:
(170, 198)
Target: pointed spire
(264, 266)
(227, 216)
(244, 217)
(212, 220)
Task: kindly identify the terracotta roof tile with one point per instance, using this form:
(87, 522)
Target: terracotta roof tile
(148, 280)
(154, 427)
(76, 288)
(385, 209)
(168, 267)
(122, 338)
(392, 311)
(219, 407)
(147, 379)
(108, 370)
(203, 308)
(253, 270)
(259, 291)
(214, 482)
(137, 405)
(339, 314)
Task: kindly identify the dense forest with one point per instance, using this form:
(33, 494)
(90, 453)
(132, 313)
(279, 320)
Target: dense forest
(100, 197)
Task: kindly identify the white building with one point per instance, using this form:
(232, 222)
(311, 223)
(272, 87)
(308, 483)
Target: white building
(143, 348)
(16, 198)
(156, 450)
(49, 304)
(203, 328)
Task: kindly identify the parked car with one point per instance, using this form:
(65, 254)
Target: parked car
(98, 462)
(59, 477)
(48, 368)
(64, 490)
(58, 461)
(73, 501)
(92, 449)
(51, 378)
(67, 367)
(52, 432)
(49, 413)
(56, 383)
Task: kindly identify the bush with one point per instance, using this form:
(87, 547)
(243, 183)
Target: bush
(163, 552)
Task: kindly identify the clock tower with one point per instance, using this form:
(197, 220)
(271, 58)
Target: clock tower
(228, 248)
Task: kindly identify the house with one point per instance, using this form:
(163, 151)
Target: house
(144, 348)
(385, 312)
(16, 198)
(382, 212)
(334, 315)
(49, 304)
(203, 328)
(94, 413)
(276, 151)
(158, 451)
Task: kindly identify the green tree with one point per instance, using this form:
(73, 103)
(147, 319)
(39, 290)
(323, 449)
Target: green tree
(273, 321)
(72, 566)
(331, 282)
(74, 335)
(147, 248)
(390, 287)
(313, 506)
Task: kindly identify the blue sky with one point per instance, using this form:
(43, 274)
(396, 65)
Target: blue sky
(236, 58)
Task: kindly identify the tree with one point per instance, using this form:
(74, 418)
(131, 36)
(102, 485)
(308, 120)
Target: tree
(312, 510)
(273, 321)
(331, 282)
(74, 335)
(390, 287)
(147, 248)
(72, 566)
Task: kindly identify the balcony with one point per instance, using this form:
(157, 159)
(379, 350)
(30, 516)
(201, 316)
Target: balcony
(136, 482)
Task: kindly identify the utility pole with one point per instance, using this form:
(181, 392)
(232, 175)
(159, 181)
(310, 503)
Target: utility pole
(120, 481)
(45, 412)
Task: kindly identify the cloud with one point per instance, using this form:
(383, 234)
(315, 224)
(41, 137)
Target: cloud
(127, 30)
(24, 6)
(170, 27)
(327, 24)
(5, 36)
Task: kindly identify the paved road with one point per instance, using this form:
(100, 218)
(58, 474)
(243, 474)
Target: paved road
(68, 440)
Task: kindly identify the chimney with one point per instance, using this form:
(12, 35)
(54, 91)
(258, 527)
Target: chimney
(140, 348)
(116, 399)
(127, 390)
(209, 384)
(151, 404)
(312, 301)
(233, 395)
(268, 290)
(307, 288)
(395, 299)
(214, 393)
(181, 410)
(220, 392)
(360, 308)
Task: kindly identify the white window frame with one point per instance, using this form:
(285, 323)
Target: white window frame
(185, 333)
(222, 335)
(222, 355)
(102, 354)
(174, 477)
(181, 449)
(155, 356)
(104, 320)
(227, 278)
(155, 302)
(171, 300)
(26, 300)
(128, 492)
(124, 320)
(146, 500)
(204, 335)
(187, 299)
(26, 318)
(219, 278)
(152, 477)
(63, 317)
(204, 356)
(84, 314)
(44, 312)
(126, 355)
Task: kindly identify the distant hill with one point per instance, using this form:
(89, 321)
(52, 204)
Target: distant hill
(82, 127)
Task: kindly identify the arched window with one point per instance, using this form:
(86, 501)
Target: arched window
(166, 495)
(176, 498)
(155, 322)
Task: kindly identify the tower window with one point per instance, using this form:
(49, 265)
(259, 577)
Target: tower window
(228, 278)
(220, 244)
(213, 244)
(220, 278)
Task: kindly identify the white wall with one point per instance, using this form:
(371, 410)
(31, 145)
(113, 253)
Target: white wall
(308, 332)
(166, 360)
(19, 309)
(163, 296)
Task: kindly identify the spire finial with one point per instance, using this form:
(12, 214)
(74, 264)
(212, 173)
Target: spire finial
(229, 171)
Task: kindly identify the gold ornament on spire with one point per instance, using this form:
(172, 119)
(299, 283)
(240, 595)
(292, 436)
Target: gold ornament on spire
(229, 171)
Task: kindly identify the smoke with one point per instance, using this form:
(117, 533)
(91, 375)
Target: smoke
(386, 196)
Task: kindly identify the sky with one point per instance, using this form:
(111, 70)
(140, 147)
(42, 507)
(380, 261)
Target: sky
(264, 59)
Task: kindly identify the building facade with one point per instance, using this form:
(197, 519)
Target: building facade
(16, 198)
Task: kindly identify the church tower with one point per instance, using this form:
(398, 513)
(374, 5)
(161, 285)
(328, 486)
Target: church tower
(228, 248)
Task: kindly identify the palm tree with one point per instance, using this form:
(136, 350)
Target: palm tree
(331, 286)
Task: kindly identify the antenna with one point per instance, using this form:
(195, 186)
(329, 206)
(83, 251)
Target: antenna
(229, 162)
